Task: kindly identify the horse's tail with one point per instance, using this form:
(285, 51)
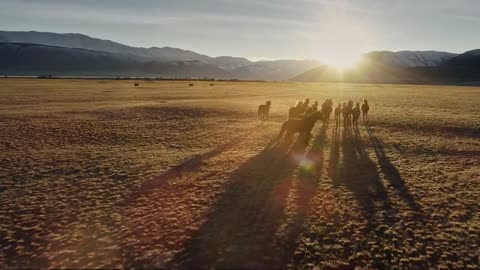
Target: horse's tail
(282, 130)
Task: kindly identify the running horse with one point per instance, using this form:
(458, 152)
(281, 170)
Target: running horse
(263, 111)
(296, 111)
(365, 109)
(303, 126)
(327, 108)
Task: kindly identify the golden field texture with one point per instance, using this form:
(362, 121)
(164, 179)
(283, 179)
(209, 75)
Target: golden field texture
(102, 174)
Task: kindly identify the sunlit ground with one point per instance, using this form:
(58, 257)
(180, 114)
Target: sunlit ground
(101, 174)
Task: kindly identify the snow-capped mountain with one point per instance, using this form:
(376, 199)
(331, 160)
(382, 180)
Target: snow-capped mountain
(79, 41)
(411, 58)
(232, 67)
(35, 53)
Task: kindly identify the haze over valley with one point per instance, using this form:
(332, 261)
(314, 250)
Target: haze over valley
(41, 53)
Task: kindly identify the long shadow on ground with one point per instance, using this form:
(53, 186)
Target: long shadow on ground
(240, 230)
(352, 167)
(363, 179)
(390, 171)
(187, 166)
(307, 175)
(358, 173)
(243, 229)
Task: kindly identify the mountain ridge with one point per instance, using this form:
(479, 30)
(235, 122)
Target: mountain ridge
(383, 66)
(463, 68)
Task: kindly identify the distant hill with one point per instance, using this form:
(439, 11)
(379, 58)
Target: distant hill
(403, 67)
(34, 59)
(215, 67)
(364, 73)
(467, 59)
(230, 62)
(464, 69)
(411, 58)
(80, 41)
(273, 70)
(36, 53)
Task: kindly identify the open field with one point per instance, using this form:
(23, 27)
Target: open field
(100, 174)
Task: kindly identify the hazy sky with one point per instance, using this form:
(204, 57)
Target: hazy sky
(272, 29)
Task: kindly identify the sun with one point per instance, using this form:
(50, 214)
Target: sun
(340, 41)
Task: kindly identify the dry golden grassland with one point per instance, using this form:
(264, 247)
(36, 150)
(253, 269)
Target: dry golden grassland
(102, 174)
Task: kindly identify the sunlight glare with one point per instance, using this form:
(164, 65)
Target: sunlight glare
(341, 40)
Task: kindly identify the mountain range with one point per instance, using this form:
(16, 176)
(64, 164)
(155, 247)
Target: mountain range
(383, 67)
(40, 53)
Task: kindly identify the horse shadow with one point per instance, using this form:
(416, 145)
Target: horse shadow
(240, 230)
(189, 165)
(307, 174)
(243, 229)
(390, 172)
(333, 168)
(356, 171)
(358, 174)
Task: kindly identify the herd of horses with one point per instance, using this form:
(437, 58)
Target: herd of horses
(303, 116)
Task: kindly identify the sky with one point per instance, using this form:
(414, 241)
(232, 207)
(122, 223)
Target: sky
(331, 31)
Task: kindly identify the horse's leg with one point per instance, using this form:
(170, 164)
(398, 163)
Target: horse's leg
(288, 137)
(307, 137)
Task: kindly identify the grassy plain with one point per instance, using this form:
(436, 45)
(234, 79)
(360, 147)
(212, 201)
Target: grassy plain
(101, 174)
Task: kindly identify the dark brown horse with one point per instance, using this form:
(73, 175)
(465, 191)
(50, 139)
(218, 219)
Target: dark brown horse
(297, 111)
(263, 111)
(303, 126)
(356, 114)
(338, 111)
(344, 114)
(365, 109)
(306, 104)
(327, 108)
(348, 111)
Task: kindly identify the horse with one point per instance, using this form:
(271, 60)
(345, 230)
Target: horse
(296, 111)
(338, 111)
(345, 114)
(303, 126)
(305, 105)
(263, 111)
(312, 109)
(136, 84)
(190, 84)
(327, 108)
(356, 114)
(349, 112)
(365, 109)
(212, 84)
